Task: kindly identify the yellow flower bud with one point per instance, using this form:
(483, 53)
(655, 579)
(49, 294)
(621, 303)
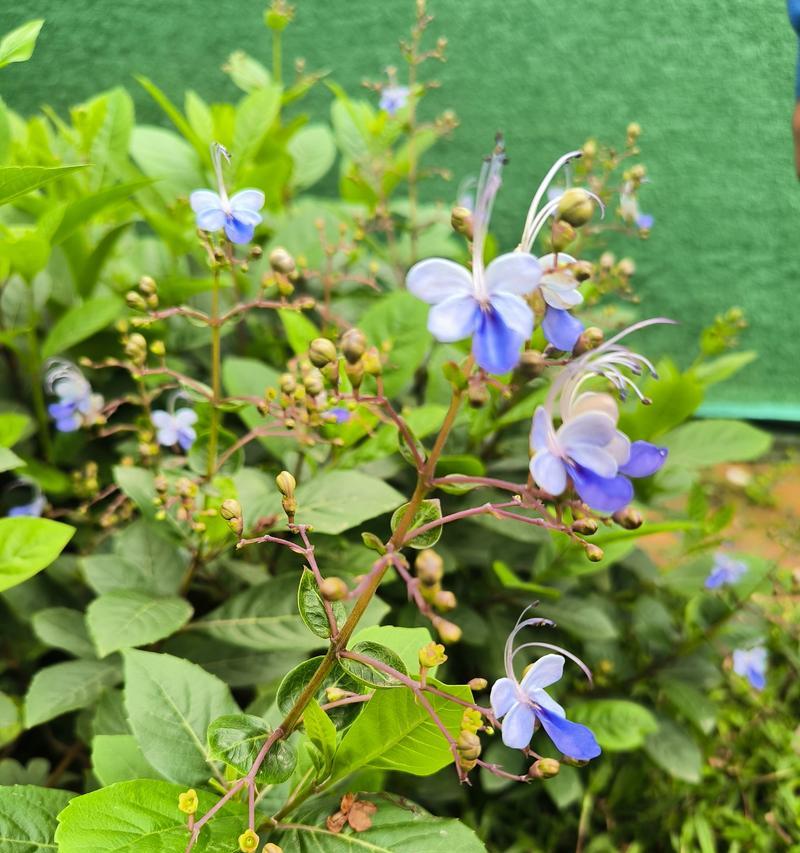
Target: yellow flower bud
(286, 483)
(469, 745)
(231, 511)
(594, 553)
(461, 220)
(188, 802)
(429, 567)
(544, 768)
(585, 526)
(477, 684)
(471, 720)
(629, 518)
(248, 841)
(431, 655)
(449, 632)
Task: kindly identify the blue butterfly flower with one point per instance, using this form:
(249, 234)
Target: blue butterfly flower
(752, 665)
(77, 405)
(237, 215)
(175, 428)
(726, 570)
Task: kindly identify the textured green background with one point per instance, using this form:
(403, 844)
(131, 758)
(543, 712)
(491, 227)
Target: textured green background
(710, 81)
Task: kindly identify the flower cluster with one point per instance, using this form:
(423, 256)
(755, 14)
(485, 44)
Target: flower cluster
(237, 215)
(587, 447)
(77, 405)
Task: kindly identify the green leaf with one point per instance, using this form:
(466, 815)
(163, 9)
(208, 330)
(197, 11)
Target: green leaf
(394, 733)
(397, 827)
(165, 156)
(254, 116)
(295, 681)
(404, 642)
(336, 501)
(63, 628)
(18, 45)
(142, 817)
(64, 687)
(247, 73)
(173, 113)
(19, 180)
(237, 739)
(300, 331)
(618, 725)
(674, 749)
(396, 324)
(170, 703)
(124, 619)
(10, 719)
(28, 817)
(312, 610)
(584, 619)
(9, 460)
(82, 209)
(701, 444)
(313, 151)
(138, 485)
(117, 758)
(263, 617)
(723, 367)
(13, 426)
(429, 510)
(28, 545)
(322, 733)
(368, 675)
(692, 703)
(81, 322)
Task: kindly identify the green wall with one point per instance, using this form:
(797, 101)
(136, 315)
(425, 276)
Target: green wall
(710, 81)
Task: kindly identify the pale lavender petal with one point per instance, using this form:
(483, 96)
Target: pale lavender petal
(595, 428)
(544, 700)
(596, 459)
(436, 279)
(160, 418)
(453, 319)
(546, 671)
(514, 272)
(541, 428)
(515, 313)
(619, 447)
(186, 437)
(167, 435)
(185, 417)
(594, 401)
(549, 472)
(201, 200)
(211, 220)
(250, 200)
(518, 726)
(645, 459)
(237, 231)
(551, 261)
(503, 696)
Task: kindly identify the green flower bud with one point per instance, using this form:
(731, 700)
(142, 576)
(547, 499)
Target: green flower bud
(147, 285)
(371, 362)
(355, 373)
(354, 344)
(477, 684)
(461, 220)
(594, 553)
(136, 348)
(562, 235)
(589, 339)
(544, 768)
(431, 655)
(158, 348)
(281, 261)
(287, 383)
(334, 694)
(313, 382)
(373, 542)
(585, 526)
(444, 600)
(576, 207)
(135, 301)
(629, 518)
(231, 511)
(321, 352)
(286, 484)
(469, 745)
(333, 588)
(429, 567)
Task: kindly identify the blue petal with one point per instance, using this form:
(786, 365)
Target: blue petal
(572, 739)
(68, 424)
(495, 346)
(61, 410)
(561, 329)
(518, 726)
(454, 318)
(645, 459)
(756, 678)
(238, 231)
(604, 494)
(186, 437)
(718, 577)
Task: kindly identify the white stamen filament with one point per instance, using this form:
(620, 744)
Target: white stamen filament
(488, 184)
(219, 151)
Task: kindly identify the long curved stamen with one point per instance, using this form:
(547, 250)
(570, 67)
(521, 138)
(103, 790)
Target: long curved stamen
(219, 151)
(546, 181)
(488, 186)
(509, 646)
(574, 658)
(540, 220)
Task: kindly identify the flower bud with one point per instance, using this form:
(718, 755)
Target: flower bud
(471, 720)
(449, 632)
(286, 484)
(589, 339)
(478, 395)
(281, 261)
(355, 373)
(461, 220)
(469, 745)
(158, 348)
(589, 148)
(285, 287)
(544, 768)
(188, 802)
(431, 655)
(290, 508)
(562, 235)
(314, 382)
(634, 131)
(629, 518)
(576, 207)
(287, 383)
(531, 363)
(248, 841)
(373, 542)
(582, 270)
(444, 600)
(638, 172)
(278, 15)
(607, 260)
(334, 694)
(269, 847)
(594, 553)
(371, 362)
(321, 352)
(429, 567)
(333, 588)
(135, 300)
(136, 348)
(231, 511)
(585, 526)
(147, 285)
(354, 344)
(477, 684)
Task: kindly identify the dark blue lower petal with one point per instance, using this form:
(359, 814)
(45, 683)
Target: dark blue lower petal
(645, 459)
(561, 329)
(61, 410)
(572, 739)
(238, 231)
(604, 494)
(495, 346)
(756, 677)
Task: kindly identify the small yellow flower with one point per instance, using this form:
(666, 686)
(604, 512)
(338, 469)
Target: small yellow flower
(187, 801)
(248, 841)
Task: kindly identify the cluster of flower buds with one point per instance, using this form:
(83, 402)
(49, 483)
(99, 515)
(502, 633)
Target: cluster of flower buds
(145, 296)
(85, 483)
(179, 496)
(231, 512)
(429, 569)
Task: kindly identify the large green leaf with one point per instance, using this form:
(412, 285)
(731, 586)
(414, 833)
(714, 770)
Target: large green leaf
(64, 628)
(312, 609)
(27, 545)
(170, 703)
(313, 151)
(18, 45)
(81, 322)
(618, 724)
(397, 827)
(322, 733)
(28, 817)
(165, 156)
(263, 617)
(704, 443)
(126, 618)
(13, 426)
(64, 687)
(237, 739)
(673, 749)
(18, 180)
(394, 733)
(118, 758)
(9, 460)
(142, 817)
(254, 116)
(82, 209)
